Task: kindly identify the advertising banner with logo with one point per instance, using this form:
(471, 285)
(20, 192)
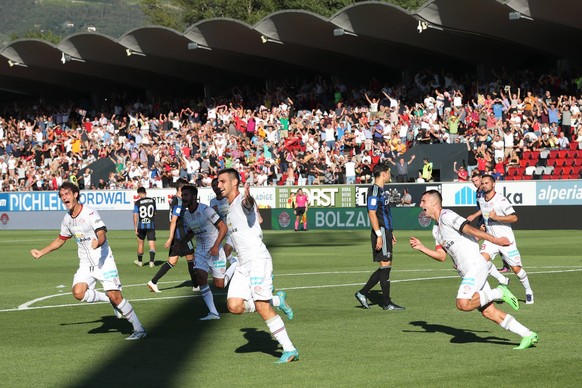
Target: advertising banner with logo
(559, 193)
(114, 199)
(463, 194)
(396, 191)
(319, 196)
(404, 218)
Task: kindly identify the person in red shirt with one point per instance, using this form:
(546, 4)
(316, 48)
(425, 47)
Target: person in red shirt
(462, 173)
(499, 169)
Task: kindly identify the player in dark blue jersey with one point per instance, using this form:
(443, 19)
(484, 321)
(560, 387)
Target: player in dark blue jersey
(179, 246)
(382, 238)
(144, 212)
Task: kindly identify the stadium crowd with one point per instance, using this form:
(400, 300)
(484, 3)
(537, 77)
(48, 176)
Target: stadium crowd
(315, 132)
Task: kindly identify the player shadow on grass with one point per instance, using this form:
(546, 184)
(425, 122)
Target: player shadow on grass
(259, 341)
(109, 324)
(459, 336)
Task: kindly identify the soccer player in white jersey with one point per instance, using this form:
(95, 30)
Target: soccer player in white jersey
(476, 178)
(96, 260)
(221, 206)
(251, 286)
(203, 223)
(499, 214)
(454, 235)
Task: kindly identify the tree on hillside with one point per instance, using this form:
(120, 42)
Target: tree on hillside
(179, 14)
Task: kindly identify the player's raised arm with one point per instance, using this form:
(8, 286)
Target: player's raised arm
(248, 201)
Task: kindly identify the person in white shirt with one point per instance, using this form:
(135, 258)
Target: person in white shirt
(221, 207)
(96, 261)
(251, 285)
(498, 214)
(455, 237)
(203, 223)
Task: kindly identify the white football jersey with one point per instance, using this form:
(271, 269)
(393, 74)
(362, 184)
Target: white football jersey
(463, 248)
(245, 232)
(202, 222)
(221, 205)
(83, 228)
(502, 207)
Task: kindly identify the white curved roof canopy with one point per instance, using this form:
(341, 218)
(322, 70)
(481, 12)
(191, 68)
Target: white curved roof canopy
(378, 38)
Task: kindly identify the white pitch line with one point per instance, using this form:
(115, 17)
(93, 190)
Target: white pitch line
(28, 305)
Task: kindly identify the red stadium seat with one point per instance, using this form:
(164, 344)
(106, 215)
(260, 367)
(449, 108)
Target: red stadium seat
(551, 162)
(579, 154)
(573, 146)
(576, 170)
(511, 171)
(526, 155)
(562, 154)
(520, 172)
(524, 163)
(535, 155)
(558, 170)
(553, 154)
(560, 162)
(570, 154)
(547, 177)
(527, 177)
(509, 178)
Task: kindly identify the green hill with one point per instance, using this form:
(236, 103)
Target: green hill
(35, 18)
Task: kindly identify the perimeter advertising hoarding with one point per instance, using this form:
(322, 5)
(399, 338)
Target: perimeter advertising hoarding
(319, 195)
(37, 201)
(404, 218)
(519, 193)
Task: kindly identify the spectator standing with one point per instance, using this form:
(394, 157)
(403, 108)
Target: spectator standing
(462, 174)
(563, 142)
(402, 169)
(350, 167)
(427, 170)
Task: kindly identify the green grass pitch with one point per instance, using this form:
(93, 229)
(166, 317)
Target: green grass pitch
(51, 340)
